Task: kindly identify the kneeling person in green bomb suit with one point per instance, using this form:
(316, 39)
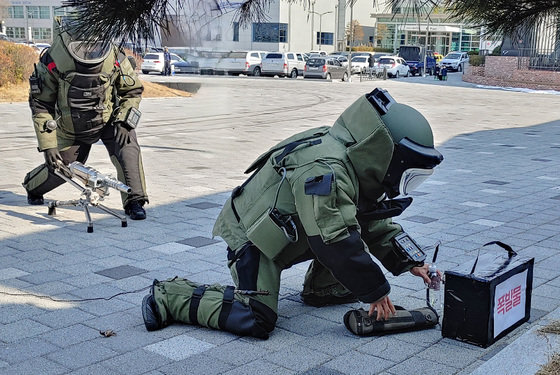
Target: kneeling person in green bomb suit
(325, 195)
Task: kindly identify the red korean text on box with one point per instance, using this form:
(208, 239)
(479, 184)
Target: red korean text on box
(509, 300)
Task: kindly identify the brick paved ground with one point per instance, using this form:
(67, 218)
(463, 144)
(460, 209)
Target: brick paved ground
(500, 181)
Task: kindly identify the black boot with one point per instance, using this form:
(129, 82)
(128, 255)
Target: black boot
(35, 200)
(150, 313)
(135, 210)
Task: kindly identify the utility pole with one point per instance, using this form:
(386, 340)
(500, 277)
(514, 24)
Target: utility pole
(426, 46)
(312, 22)
(351, 42)
(321, 25)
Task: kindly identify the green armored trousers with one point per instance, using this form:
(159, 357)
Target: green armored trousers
(127, 160)
(237, 309)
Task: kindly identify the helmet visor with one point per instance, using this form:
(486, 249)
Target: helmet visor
(89, 52)
(410, 165)
(412, 178)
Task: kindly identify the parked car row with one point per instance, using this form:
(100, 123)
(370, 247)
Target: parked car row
(291, 64)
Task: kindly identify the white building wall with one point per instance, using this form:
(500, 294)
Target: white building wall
(304, 22)
(27, 22)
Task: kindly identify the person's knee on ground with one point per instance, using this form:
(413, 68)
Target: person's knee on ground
(320, 288)
(213, 306)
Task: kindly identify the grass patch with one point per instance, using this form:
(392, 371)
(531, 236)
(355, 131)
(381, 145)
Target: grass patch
(553, 327)
(20, 92)
(553, 365)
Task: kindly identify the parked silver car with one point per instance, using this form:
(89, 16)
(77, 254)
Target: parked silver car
(396, 66)
(242, 62)
(325, 68)
(283, 64)
(455, 60)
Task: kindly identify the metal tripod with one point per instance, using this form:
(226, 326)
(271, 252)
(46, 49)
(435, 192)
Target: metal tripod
(90, 197)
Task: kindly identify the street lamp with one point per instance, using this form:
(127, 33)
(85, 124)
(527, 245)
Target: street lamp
(320, 24)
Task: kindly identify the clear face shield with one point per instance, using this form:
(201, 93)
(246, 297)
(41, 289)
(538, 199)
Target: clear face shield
(85, 52)
(410, 166)
(412, 178)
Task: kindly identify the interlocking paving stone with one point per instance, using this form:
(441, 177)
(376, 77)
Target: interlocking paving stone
(488, 223)
(298, 357)
(43, 277)
(204, 205)
(263, 367)
(306, 325)
(412, 365)
(38, 365)
(492, 191)
(359, 363)
(136, 362)
(474, 204)
(237, 352)
(171, 248)
(25, 349)
(10, 313)
(11, 273)
(21, 329)
(420, 219)
(95, 369)
(390, 348)
(198, 241)
(121, 272)
(82, 354)
(495, 182)
(179, 347)
(71, 335)
(197, 364)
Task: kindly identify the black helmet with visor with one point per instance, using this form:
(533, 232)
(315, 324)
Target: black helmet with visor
(414, 156)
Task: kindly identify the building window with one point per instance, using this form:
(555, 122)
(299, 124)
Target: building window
(325, 38)
(236, 31)
(15, 32)
(61, 11)
(15, 12)
(39, 12)
(41, 33)
(270, 32)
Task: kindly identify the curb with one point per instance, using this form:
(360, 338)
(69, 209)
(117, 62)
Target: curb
(527, 353)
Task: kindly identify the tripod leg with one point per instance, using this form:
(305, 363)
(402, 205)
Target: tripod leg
(88, 218)
(52, 208)
(111, 212)
(54, 204)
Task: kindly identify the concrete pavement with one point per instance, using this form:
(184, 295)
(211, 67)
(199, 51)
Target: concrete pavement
(499, 181)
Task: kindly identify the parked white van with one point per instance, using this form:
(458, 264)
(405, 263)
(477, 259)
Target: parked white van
(283, 64)
(241, 62)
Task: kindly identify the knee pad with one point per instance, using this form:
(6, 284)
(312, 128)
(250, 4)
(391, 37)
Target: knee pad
(361, 324)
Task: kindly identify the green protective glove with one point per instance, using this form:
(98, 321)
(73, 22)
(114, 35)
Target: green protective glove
(122, 134)
(52, 157)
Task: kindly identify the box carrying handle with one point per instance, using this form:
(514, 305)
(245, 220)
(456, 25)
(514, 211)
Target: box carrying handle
(508, 248)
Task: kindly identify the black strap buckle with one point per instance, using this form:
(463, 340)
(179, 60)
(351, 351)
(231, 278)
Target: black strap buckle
(195, 301)
(227, 304)
(381, 100)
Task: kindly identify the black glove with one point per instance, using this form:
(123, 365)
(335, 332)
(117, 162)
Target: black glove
(52, 157)
(122, 134)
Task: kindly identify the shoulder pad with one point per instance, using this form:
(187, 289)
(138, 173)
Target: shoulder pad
(48, 61)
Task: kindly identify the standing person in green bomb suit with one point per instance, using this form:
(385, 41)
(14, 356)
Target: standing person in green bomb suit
(81, 92)
(326, 194)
